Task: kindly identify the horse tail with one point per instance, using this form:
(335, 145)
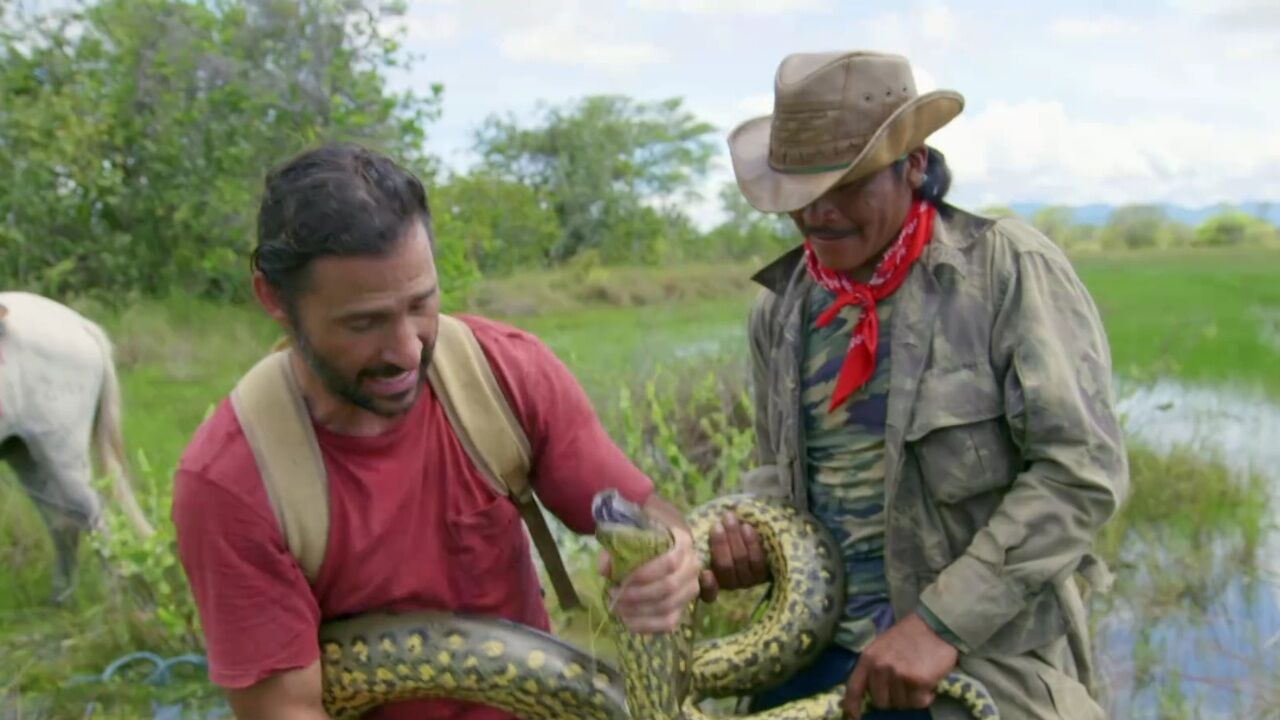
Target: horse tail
(109, 437)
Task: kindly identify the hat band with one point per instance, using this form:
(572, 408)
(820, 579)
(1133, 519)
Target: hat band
(785, 157)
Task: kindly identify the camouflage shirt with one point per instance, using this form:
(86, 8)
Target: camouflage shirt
(844, 457)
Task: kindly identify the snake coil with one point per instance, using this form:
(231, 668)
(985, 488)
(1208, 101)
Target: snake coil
(379, 658)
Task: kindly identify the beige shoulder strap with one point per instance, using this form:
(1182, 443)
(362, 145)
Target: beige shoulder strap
(463, 380)
(275, 421)
(269, 406)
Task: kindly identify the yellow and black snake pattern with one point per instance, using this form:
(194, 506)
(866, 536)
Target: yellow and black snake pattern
(379, 658)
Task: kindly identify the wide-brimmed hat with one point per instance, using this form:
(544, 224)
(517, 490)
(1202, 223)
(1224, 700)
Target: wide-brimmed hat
(837, 117)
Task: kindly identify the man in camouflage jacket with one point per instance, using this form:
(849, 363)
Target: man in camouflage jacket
(990, 452)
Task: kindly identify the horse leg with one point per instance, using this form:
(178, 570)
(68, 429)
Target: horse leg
(58, 481)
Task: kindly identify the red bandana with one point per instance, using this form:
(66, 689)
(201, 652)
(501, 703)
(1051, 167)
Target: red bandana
(860, 362)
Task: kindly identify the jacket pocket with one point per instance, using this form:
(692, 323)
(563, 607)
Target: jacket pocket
(487, 548)
(958, 435)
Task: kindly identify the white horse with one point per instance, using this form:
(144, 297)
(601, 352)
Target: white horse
(59, 397)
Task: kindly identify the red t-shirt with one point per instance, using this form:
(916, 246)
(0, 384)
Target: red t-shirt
(412, 524)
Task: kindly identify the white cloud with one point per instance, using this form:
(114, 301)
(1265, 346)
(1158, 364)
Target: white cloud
(560, 44)
(434, 29)
(1241, 14)
(756, 105)
(730, 7)
(1254, 49)
(922, 29)
(725, 116)
(936, 22)
(1036, 151)
(1094, 28)
(574, 37)
(925, 81)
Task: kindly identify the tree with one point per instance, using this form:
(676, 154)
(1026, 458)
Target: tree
(1234, 228)
(608, 165)
(1058, 223)
(135, 133)
(998, 211)
(1135, 227)
(503, 225)
(747, 232)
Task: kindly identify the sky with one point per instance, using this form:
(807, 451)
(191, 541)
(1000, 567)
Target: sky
(1070, 103)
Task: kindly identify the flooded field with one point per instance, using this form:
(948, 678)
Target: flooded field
(1193, 629)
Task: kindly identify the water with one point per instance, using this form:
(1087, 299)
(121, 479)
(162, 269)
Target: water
(1240, 429)
(1218, 651)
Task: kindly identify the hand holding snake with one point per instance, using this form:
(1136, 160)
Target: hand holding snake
(653, 597)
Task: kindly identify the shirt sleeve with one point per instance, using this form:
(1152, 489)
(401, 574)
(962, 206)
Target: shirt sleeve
(256, 608)
(574, 457)
(938, 627)
(1061, 413)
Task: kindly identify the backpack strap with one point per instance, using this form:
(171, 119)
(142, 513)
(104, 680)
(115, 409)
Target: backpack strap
(269, 406)
(463, 380)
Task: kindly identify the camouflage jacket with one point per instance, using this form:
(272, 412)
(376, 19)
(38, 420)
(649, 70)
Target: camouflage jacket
(1004, 455)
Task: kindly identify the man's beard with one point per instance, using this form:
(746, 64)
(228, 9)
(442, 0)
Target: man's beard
(349, 389)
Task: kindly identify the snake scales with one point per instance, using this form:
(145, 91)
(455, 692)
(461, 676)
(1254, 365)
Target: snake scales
(379, 658)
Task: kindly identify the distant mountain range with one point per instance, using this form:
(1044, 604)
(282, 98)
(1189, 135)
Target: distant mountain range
(1097, 214)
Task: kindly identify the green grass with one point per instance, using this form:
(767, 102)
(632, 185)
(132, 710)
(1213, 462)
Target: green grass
(1209, 316)
(1204, 316)
(578, 284)
(607, 346)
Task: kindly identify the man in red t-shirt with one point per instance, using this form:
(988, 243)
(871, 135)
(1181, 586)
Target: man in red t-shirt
(344, 262)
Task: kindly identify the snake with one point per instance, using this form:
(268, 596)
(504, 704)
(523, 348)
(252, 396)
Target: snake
(379, 657)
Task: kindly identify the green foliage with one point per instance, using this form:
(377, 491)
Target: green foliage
(613, 170)
(501, 225)
(1189, 531)
(997, 211)
(1235, 228)
(746, 232)
(146, 570)
(1057, 224)
(1136, 227)
(136, 132)
(691, 432)
(1185, 499)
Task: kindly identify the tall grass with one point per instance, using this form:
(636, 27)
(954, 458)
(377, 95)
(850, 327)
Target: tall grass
(581, 284)
(1185, 552)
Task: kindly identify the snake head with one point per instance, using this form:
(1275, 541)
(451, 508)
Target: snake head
(609, 508)
(627, 532)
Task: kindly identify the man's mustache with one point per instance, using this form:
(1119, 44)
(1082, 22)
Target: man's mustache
(820, 231)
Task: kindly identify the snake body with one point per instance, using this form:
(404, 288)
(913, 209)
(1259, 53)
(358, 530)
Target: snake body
(378, 658)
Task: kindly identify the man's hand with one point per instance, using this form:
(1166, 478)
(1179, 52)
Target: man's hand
(737, 558)
(653, 597)
(900, 668)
